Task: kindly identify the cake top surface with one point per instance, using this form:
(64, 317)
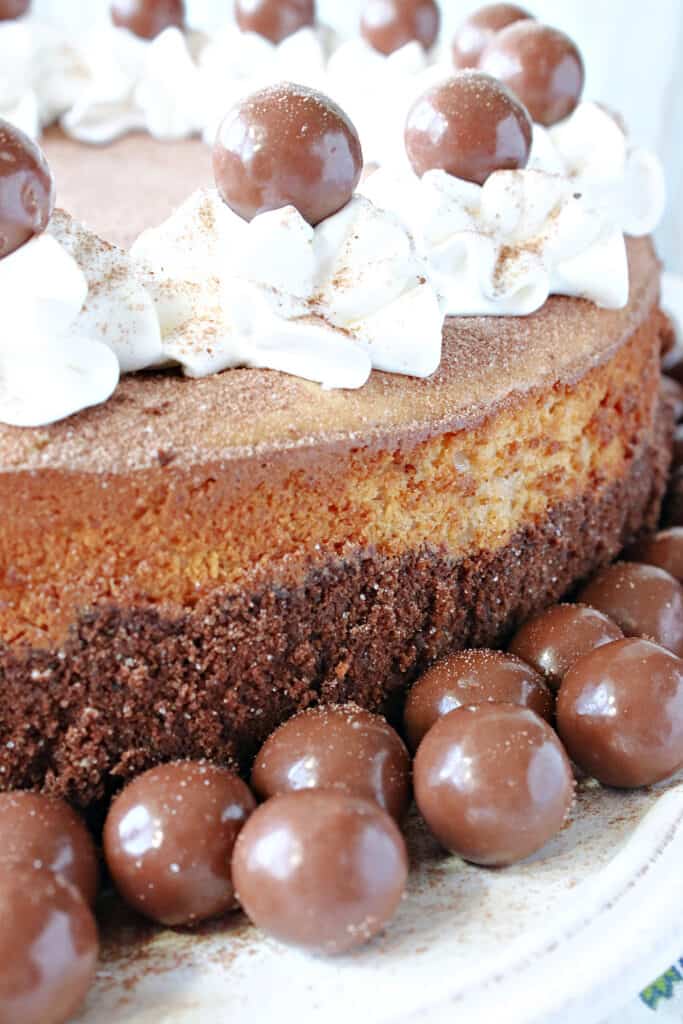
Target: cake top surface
(238, 414)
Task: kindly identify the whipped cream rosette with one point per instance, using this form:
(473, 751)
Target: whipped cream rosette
(235, 63)
(18, 99)
(593, 151)
(377, 76)
(117, 309)
(377, 90)
(82, 318)
(49, 368)
(76, 314)
(502, 248)
(327, 303)
(551, 221)
(283, 266)
(135, 84)
(41, 73)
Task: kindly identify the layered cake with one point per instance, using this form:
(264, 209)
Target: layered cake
(186, 561)
(288, 433)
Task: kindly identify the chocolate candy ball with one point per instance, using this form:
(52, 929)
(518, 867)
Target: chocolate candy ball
(620, 713)
(27, 191)
(473, 677)
(42, 832)
(677, 451)
(10, 9)
(672, 392)
(336, 747)
(470, 126)
(672, 512)
(320, 869)
(665, 550)
(493, 783)
(672, 355)
(169, 837)
(555, 639)
(541, 65)
(642, 599)
(148, 18)
(48, 947)
(274, 19)
(287, 145)
(477, 31)
(387, 25)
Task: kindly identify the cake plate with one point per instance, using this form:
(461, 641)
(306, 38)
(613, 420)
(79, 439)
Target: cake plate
(571, 935)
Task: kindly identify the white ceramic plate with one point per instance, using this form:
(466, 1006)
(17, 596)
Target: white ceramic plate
(569, 936)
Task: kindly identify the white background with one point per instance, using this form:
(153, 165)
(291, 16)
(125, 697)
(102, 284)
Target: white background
(634, 59)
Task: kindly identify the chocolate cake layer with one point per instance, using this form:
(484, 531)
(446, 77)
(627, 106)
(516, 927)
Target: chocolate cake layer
(131, 687)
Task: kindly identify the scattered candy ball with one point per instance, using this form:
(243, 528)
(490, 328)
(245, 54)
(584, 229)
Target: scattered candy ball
(493, 783)
(477, 31)
(48, 947)
(10, 9)
(672, 392)
(672, 355)
(677, 451)
(42, 832)
(309, 154)
(642, 599)
(274, 19)
(541, 65)
(473, 677)
(148, 18)
(664, 550)
(169, 837)
(470, 126)
(672, 512)
(558, 637)
(27, 191)
(339, 747)
(620, 713)
(320, 869)
(387, 25)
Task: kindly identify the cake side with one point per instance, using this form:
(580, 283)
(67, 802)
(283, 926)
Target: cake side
(171, 535)
(134, 686)
(448, 542)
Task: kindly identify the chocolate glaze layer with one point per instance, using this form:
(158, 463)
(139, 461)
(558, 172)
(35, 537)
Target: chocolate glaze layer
(135, 686)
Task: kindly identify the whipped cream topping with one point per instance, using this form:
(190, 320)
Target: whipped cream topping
(376, 91)
(234, 64)
(18, 99)
(325, 303)
(367, 288)
(117, 310)
(593, 151)
(207, 291)
(49, 368)
(41, 73)
(134, 84)
(556, 227)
